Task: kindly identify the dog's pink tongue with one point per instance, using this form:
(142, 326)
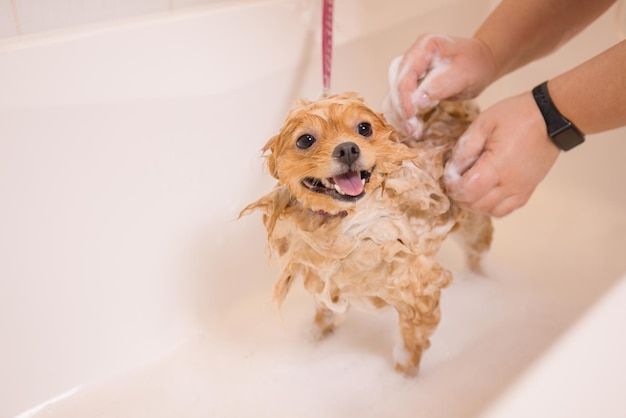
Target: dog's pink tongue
(350, 183)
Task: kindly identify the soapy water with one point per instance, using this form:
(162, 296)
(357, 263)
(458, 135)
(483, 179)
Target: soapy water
(455, 168)
(392, 105)
(420, 99)
(255, 362)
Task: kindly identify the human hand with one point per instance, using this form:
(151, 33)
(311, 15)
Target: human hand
(501, 158)
(435, 68)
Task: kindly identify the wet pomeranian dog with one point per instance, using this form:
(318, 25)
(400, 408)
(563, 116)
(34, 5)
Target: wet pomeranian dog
(359, 216)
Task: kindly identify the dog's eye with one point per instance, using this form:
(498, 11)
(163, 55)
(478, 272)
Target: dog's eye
(305, 141)
(364, 129)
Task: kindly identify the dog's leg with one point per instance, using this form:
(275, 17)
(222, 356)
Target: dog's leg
(474, 233)
(326, 320)
(417, 323)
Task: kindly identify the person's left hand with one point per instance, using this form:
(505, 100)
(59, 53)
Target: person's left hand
(436, 67)
(501, 158)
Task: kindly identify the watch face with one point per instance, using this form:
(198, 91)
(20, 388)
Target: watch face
(568, 138)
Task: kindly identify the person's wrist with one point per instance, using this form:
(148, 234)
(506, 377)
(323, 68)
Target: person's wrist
(485, 65)
(488, 60)
(536, 125)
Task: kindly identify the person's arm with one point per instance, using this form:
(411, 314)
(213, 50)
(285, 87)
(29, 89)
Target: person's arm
(439, 67)
(593, 95)
(518, 32)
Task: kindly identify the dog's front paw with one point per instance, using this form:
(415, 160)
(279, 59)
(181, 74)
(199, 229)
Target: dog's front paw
(325, 322)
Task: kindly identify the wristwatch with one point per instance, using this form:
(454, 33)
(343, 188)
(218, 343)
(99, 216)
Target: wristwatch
(561, 131)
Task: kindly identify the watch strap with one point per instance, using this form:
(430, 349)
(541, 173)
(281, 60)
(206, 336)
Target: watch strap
(561, 131)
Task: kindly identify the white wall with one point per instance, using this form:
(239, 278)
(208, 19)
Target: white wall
(29, 16)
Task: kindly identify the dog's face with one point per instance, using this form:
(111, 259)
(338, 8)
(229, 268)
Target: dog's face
(332, 152)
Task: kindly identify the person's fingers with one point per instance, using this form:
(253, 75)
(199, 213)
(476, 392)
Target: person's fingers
(508, 205)
(392, 106)
(408, 78)
(423, 77)
(465, 153)
(413, 68)
(497, 202)
(441, 79)
(476, 184)
(424, 58)
(501, 158)
(458, 69)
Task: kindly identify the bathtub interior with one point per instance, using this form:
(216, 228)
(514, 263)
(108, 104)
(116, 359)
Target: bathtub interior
(130, 288)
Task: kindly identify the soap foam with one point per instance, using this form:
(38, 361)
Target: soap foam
(454, 169)
(392, 105)
(421, 99)
(437, 67)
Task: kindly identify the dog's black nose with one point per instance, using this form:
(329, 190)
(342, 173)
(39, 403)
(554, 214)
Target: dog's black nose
(347, 153)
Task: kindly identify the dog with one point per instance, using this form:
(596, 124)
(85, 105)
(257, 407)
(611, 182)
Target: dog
(358, 215)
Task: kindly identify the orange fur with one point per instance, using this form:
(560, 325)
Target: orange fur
(378, 247)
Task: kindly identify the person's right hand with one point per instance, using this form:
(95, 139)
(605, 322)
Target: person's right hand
(435, 68)
(501, 158)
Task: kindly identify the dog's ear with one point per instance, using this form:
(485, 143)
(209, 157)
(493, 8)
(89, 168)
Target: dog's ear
(270, 158)
(393, 136)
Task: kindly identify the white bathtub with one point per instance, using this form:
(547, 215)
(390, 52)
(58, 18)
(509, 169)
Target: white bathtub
(128, 288)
